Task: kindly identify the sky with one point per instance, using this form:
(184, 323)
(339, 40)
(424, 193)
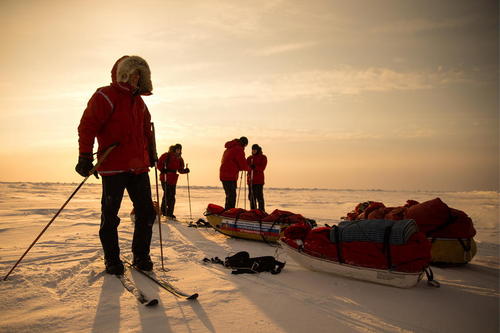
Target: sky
(339, 94)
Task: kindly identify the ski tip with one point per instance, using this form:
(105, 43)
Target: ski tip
(152, 302)
(193, 296)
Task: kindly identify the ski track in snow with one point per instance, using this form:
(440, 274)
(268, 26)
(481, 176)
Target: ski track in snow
(61, 285)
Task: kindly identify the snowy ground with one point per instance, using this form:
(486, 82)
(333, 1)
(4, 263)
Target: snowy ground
(60, 286)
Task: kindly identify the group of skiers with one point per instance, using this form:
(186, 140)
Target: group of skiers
(233, 161)
(118, 117)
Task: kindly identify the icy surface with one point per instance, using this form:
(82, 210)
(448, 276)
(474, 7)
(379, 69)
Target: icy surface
(60, 286)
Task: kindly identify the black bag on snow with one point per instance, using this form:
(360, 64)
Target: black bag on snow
(242, 263)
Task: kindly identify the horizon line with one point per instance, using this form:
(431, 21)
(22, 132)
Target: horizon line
(273, 188)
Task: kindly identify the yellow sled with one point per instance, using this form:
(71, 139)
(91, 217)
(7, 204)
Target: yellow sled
(452, 251)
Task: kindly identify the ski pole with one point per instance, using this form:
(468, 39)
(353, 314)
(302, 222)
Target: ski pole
(99, 161)
(252, 195)
(245, 191)
(189, 195)
(158, 212)
(239, 190)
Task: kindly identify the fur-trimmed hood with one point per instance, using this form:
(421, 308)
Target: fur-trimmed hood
(126, 65)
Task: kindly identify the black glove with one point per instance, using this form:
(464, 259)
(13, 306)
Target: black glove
(186, 170)
(252, 166)
(85, 165)
(152, 156)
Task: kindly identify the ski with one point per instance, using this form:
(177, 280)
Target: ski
(164, 283)
(131, 287)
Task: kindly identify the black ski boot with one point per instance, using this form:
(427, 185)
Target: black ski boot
(144, 263)
(114, 267)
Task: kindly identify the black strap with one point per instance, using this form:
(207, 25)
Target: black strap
(336, 236)
(237, 217)
(387, 246)
(262, 233)
(467, 246)
(430, 278)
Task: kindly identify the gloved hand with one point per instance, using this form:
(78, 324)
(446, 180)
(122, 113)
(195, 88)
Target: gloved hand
(186, 170)
(152, 156)
(85, 165)
(252, 166)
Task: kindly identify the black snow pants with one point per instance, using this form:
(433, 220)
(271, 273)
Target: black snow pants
(230, 190)
(168, 202)
(139, 191)
(256, 195)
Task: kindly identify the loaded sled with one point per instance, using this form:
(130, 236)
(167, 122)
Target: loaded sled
(386, 252)
(252, 224)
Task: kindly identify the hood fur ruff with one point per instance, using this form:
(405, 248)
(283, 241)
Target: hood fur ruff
(130, 63)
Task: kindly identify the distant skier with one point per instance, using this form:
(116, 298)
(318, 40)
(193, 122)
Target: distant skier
(168, 164)
(255, 178)
(233, 161)
(117, 113)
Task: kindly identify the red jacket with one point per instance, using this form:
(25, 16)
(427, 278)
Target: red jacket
(233, 161)
(260, 162)
(115, 114)
(168, 164)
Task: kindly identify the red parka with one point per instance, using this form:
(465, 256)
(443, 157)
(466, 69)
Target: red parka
(260, 162)
(233, 161)
(168, 164)
(115, 114)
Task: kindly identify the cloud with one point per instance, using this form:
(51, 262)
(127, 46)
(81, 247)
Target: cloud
(347, 135)
(419, 25)
(344, 80)
(283, 48)
(313, 84)
(234, 18)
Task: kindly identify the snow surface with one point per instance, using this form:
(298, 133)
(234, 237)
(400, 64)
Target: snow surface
(60, 286)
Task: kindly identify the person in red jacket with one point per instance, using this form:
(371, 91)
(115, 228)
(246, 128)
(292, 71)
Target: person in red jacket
(118, 114)
(168, 164)
(233, 161)
(255, 178)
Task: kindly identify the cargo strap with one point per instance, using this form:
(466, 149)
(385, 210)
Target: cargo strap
(262, 233)
(237, 217)
(467, 247)
(387, 246)
(430, 278)
(336, 236)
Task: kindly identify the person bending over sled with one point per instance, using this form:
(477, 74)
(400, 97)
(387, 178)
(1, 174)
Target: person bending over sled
(168, 164)
(118, 114)
(255, 178)
(233, 161)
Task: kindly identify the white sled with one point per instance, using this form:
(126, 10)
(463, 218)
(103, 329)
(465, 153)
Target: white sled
(380, 276)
